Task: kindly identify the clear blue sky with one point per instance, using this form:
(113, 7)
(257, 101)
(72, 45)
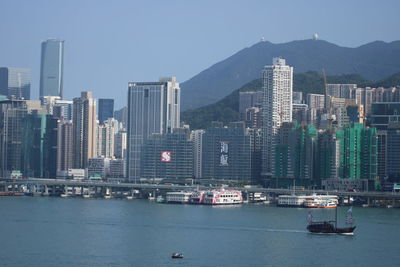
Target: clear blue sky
(108, 43)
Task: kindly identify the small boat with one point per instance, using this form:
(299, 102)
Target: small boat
(160, 199)
(177, 256)
(330, 227)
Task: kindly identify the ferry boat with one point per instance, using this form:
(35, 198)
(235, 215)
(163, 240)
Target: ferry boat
(222, 197)
(318, 203)
(291, 200)
(308, 201)
(197, 197)
(178, 197)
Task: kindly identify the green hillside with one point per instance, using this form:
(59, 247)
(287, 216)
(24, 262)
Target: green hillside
(227, 109)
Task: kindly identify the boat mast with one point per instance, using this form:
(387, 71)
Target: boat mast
(336, 217)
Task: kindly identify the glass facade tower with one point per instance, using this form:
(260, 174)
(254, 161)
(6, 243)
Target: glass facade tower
(15, 83)
(51, 68)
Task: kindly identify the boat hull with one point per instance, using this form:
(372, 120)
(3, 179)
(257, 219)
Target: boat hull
(329, 228)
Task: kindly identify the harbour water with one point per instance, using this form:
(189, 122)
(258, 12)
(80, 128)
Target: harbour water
(95, 232)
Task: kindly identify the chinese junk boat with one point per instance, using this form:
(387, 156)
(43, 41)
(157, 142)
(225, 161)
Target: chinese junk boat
(330, 227)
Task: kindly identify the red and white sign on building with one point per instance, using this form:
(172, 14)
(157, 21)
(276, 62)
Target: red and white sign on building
(166, 156)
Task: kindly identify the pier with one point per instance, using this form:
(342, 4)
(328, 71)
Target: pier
(62, 187)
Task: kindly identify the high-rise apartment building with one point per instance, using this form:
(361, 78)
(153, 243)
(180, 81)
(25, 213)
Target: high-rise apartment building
(64, 146)
(294, 154)
(15, 83)
(315, 101)
(84, 128)
(106, 109)
(51, 68)
(105, 140)
(340, 90)
(153, 108)
(197, 137)
(277, 82)
(249, 99)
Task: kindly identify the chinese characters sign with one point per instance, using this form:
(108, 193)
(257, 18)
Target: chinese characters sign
(224, 154)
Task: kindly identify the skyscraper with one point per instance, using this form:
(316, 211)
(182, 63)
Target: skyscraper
(153, 108)
(84, 128)
(106, 109)
(15, 82)
(277, 106)
(12, 117)
(51, 68)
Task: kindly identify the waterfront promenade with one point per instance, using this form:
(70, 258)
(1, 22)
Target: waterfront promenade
(60, 185)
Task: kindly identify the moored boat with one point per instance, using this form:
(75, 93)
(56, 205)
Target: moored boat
(223, 197)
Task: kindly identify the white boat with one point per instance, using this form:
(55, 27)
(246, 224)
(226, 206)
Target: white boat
(223, 197)
(308, 201)
(178, 197)
(291, 200)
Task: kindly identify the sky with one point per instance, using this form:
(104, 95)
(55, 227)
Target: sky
(110, 43)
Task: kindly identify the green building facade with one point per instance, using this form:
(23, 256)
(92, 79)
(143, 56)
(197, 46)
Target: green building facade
(40, 146)
(295, 151)
(358, 153)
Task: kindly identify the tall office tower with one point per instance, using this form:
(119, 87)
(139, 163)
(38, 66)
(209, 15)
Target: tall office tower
(106, 109)
(65, 146)
(105, 140)
(120, 144)
(15, 83)
(383, 153)
(40, 145)
(51, 68)
(85, 126)
(392, 153)
(227, 153)
(277, 107)
(197, 137)
(167, 155)
(12, 117)
(153, 108)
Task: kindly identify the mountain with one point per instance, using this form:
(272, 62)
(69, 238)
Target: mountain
(227, 109)
(373, 61)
